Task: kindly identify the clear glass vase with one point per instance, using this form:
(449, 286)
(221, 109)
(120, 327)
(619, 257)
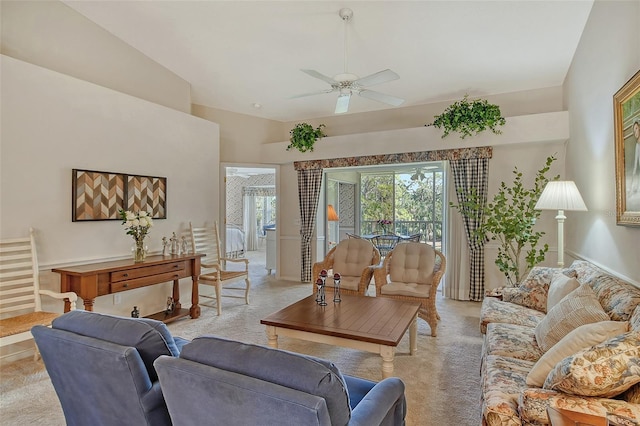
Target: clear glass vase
(139, 251)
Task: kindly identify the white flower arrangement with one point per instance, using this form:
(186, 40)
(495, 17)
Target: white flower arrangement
(136, 225)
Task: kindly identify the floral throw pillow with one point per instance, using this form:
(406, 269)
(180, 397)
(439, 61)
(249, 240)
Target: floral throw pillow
(581, 338)
(535, 298)
(604, 370)
(532, 292)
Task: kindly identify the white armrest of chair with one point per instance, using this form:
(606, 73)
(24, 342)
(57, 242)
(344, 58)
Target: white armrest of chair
(68, 295)
(237, 260)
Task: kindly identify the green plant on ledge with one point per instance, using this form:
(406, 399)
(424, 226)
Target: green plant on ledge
(510, 220)
(304, 136)
(467, 117)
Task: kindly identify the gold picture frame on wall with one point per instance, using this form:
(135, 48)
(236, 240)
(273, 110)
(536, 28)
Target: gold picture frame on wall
(626, 122)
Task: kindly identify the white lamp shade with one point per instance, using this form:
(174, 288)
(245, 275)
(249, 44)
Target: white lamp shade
(561, 195)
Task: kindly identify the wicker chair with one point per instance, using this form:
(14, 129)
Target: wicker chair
(353, 259)
(412, 271)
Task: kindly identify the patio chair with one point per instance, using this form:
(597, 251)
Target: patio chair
(353, 259)
(412, 271)
(206, 240)
(385, 243)
(415, 238)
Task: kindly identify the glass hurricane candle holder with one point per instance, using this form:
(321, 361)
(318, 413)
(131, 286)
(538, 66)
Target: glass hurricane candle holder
(336, 288)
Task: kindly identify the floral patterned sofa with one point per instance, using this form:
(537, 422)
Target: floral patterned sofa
(567, 338)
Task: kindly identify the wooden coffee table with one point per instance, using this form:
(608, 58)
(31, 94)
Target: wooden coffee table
(373, 324)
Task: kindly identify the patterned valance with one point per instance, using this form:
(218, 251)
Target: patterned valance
(259, 191)
(405, 157)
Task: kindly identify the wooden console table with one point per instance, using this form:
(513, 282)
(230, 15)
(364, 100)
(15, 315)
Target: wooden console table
(98, 279)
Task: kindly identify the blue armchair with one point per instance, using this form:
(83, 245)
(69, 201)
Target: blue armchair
(219, 381)
(101, 367)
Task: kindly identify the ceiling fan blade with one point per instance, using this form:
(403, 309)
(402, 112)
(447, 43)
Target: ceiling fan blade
(316, 74)
(381, 97)
(319, 92)
(342, 105)
(377, 78)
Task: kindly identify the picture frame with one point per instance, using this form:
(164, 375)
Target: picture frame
(98, 195)
(626, 119)
(147, 193)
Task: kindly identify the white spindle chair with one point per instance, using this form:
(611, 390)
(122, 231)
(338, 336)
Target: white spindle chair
(20, 303)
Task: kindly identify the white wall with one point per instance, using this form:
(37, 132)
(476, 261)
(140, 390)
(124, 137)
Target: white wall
(52, 123)
(607, 56)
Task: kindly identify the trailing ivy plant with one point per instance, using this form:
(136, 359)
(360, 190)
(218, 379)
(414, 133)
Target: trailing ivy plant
(510, 219)
(467, 117)
(304, 136)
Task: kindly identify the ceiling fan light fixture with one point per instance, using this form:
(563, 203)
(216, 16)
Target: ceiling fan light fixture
(347, 83)
(342, 105)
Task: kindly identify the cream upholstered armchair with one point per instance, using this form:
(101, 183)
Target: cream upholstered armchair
(412, 271)
(353, 259)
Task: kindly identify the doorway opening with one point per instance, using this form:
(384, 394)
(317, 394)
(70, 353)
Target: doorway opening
(250, 215)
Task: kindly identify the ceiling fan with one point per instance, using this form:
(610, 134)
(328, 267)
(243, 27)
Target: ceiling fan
(346, 84)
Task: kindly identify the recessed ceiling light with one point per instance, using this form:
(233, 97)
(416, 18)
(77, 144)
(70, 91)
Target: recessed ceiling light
(256, 105)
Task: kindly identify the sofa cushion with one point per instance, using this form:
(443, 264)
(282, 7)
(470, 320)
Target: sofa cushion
(151, 338)
(534, 298)
(604, 370)
(541, 276)
(560, 286)
(412, 263)
(535, 401)
(301, 372)
(634, 321)
(579, 307)
(632, 395)
(618, 298)
(511, 340)
(503, 379)
(351, 257)
(494, 310)
(582, 337)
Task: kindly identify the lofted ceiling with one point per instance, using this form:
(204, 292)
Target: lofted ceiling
(239, 53)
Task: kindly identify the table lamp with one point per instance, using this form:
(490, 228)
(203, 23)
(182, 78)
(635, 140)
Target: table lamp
(332, 216)
(561, 196)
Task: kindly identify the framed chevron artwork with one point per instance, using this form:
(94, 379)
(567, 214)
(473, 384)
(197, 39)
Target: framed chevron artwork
(100, 195)
(147, 193)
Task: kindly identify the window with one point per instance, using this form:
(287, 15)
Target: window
(410, 196)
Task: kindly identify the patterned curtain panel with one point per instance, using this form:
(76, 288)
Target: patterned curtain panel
(456, 277)
(468, 174)
(308, 193)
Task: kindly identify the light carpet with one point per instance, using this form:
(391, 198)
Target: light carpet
(442, 380)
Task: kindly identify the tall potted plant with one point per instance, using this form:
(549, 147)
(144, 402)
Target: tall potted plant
(304, 136)
(510, 219)
(467, 117)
